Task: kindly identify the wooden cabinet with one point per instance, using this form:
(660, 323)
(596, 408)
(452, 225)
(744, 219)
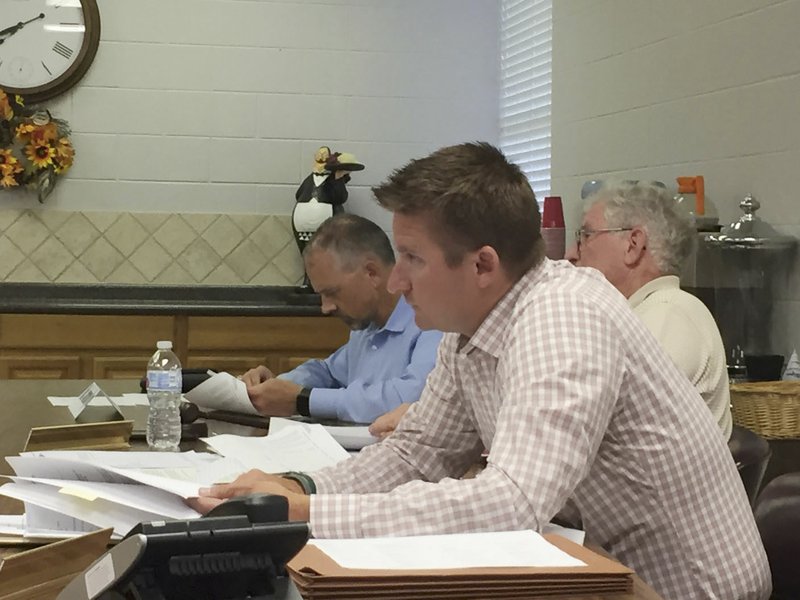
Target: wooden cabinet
(22, 366)
(277, 342)
(118, 346)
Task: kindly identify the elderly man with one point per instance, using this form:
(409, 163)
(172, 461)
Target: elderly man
(547, 367)
(635, 236)
(387, 358)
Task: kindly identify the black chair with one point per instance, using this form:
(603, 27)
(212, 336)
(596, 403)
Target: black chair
(751, 453)
(777, 513)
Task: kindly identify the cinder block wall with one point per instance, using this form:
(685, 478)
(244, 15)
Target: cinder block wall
(217, 106)
(654, 90)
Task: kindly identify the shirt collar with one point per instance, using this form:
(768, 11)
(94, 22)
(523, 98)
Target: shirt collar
(666, 282)
(490, 335)
(400, 317)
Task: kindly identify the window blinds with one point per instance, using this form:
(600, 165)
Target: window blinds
(526, 78)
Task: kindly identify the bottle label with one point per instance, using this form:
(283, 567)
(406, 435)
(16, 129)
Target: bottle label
(164, 380)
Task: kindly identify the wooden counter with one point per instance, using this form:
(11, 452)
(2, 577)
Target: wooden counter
(75, 346)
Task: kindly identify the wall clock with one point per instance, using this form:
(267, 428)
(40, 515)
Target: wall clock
(46, 46)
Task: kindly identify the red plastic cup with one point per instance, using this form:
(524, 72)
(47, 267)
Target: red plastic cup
(553, 231)
(553, 213)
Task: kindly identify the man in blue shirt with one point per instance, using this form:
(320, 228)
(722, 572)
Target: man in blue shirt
(387, 359)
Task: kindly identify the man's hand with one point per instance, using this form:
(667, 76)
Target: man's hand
(387, 423)
(255, 376)
(254, 482)
(275, 397)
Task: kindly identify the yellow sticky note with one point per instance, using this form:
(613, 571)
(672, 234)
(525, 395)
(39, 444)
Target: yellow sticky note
(82, 493)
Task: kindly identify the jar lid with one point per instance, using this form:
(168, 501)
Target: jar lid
(750, 231)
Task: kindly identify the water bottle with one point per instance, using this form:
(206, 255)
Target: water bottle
(164, 380)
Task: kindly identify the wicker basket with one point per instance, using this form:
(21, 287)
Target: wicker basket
(770, 408)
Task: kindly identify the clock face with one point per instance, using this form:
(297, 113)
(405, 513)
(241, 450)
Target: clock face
(46, 45)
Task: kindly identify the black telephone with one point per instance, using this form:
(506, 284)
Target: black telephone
(234, 553)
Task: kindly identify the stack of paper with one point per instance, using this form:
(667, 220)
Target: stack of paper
(517, 564)
(307, 449)
(350, 437)
(73, 492)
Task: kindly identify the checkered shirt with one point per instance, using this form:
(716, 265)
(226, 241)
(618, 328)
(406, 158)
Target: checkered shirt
(575, 401)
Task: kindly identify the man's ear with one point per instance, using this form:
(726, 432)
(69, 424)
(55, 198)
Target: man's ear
(373, 271)
(487, 266)
(637, 244)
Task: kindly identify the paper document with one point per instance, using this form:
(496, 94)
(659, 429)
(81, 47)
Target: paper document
(140, 497)
(456, 551)
(305, 449)
(100, 513)
(222, 391)
(178, 473)
(80, 491)
(12, 524)
(350, 437)
(13, 528)
(92, 465)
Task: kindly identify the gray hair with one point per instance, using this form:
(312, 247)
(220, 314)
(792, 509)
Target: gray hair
(670, 233)
(351, 238)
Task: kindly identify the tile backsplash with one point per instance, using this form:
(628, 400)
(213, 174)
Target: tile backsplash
(142, 248)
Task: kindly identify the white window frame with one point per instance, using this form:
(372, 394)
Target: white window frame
(525, 84)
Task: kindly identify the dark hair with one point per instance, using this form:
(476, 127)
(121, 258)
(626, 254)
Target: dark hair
(350, 238)
(475, 198)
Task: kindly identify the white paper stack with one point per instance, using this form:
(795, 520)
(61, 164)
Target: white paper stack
(71, 492)
(79, 491)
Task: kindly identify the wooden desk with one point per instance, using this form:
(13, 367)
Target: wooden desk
(24, 404)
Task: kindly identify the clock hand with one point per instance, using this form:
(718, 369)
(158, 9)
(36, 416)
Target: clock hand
(9, 31)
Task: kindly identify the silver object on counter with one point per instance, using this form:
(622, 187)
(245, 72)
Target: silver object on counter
(742, 262)
(750, 231)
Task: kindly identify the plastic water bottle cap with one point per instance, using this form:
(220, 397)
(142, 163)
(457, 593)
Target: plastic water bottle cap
(164, 345)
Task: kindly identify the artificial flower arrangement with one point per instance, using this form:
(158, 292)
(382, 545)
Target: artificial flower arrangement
(34, 147)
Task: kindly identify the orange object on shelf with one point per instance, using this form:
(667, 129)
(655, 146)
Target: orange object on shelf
(694, 185)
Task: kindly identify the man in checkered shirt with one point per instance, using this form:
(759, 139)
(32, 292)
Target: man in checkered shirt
(547, 368)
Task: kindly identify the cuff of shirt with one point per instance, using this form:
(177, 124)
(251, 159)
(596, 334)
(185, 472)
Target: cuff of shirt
(335, 516)
(324, 403)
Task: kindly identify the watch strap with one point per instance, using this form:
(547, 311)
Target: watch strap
(305, 481)
(302, 402)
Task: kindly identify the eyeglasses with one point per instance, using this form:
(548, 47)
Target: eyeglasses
(582, 235)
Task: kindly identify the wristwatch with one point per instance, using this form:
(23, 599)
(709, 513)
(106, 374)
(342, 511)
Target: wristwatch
(302, 399)
(303, 480)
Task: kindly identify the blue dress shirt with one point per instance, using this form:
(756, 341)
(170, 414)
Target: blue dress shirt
(378, 369)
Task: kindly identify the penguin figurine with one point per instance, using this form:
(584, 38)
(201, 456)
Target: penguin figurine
(321, 195)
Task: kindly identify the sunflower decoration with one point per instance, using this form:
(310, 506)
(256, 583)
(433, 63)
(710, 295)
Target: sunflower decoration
(34, 147)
